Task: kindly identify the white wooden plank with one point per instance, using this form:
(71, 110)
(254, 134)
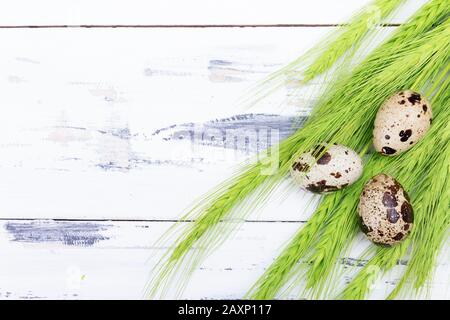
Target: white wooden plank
(93, 118)
(81, 138)
(174, 12)
(112, 260)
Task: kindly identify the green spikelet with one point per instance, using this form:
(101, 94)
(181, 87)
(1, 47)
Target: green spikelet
(430, 198)
(343, 224)
(350, 37)
(322, 57)
(348, 103)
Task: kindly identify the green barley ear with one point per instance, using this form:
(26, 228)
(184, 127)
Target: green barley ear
(408, 168)
(341, 43)
(204, 234)
(427, 204)
(211, 209)
(342, 225)
(277, 275)
(348, 104)
(350, 38)
(344, 44)
(430, 198)
(434, 220)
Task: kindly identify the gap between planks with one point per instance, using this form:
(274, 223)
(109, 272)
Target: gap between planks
(142, 220)
(99, 26)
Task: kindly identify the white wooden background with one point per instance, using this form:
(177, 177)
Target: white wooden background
(97, 98)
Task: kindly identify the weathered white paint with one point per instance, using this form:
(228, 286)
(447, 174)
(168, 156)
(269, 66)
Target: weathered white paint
(118, 266)
(195, 12)
(79, 100)
(75, 100)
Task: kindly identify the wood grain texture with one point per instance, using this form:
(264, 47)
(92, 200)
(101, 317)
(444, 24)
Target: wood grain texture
(112, 260)
(183, 13)
(98, 158)
(96, 117)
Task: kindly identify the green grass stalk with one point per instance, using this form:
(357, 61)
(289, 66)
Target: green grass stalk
(424, 201)
(343, 224)
(350, 104)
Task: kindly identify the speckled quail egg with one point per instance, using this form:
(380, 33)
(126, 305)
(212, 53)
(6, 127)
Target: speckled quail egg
(334, 169)
(385, 212)
(400, 122)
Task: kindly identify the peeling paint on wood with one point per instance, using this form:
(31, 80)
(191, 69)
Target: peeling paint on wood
(72, 233)
(128, 253)
(246, 132)
(81, 140)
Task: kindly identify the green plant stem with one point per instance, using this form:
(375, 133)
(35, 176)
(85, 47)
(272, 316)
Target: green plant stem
(322, 57)
(342, 226)
(277, 274)
(205, 234)
(387, 258)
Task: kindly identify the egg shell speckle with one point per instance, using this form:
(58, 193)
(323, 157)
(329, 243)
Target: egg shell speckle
(334, 169)
(385, 212)
(401, 122)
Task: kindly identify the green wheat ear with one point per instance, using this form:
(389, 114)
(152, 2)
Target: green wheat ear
(342, 225)
(348, 104)
(430, 201)
(338, 47)
(427, 193)
(216, 206)
(280, 271)
(342, 222)
(350, 38)
(410, 169)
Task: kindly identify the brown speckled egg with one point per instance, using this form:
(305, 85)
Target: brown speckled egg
(400, 122)
(319, 171)
(385, 212)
